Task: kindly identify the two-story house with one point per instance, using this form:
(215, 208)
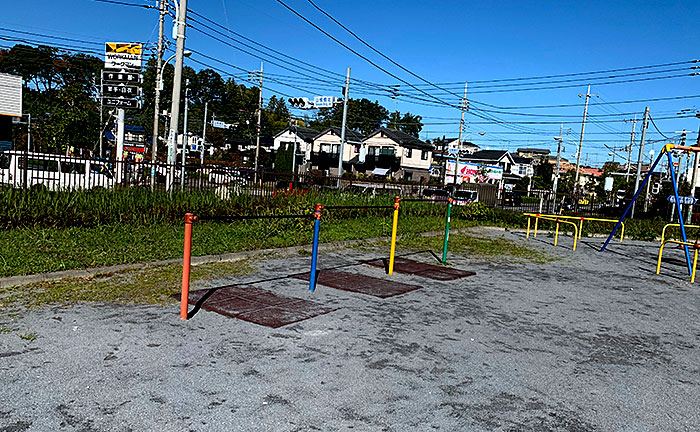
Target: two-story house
(304, 137)
(411, 156)
(325, 147)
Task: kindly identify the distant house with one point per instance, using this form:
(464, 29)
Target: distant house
(325, 148)
(522, 166)
(445, 144)
(533, 153)
(304, 137)
(413, 156)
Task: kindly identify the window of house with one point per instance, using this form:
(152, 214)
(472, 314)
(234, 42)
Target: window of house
(373, 150)
(336, 148)
(409, 153)
(424, 155)
(4, 161)
(325, 148)
(522, 170)
(357, 148)
(387, 150)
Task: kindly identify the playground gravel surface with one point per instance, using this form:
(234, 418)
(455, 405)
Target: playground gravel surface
(591, 341)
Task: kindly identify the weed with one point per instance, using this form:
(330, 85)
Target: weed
(28, 336)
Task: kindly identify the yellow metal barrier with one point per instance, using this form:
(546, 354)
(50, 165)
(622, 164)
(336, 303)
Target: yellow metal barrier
(580, 224)
(556, 231)
(695, 259)
(663, 232)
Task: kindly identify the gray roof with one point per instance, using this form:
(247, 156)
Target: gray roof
(487, 155)
(533, 150)
(520, 159)
(402, 138)
(305, 134)
(350, 135)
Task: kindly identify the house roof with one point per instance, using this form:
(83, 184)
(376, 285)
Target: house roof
(350, 135)
(306, 134)
(401, 138)
(489, 155)
(533, 150)
(521, 159)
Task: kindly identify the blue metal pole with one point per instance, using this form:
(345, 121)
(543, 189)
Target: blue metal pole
(314, 253)
(680, 214)
(629, 206)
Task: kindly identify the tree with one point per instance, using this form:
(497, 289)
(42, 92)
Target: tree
(283, 158)
(363, 115)
(408, 123)
(543, 175)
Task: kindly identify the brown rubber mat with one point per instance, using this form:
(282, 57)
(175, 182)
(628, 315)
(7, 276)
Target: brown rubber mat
(431, 271)
(256, 305)
(360, 283)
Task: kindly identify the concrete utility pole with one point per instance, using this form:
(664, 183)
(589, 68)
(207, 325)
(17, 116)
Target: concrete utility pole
(156, 105)
(645, 124)
(184, 135)
(204, 133)
(629, 151)
(583, 127)
(647, 198)
(461, 128)
(346, 96)
(294, 154)
(257, 135)
(180, 25)
(559, 139)
(694, 185)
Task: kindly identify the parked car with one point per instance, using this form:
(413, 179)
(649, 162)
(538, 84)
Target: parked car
(222, 176)
(512, 199)
(435, 194)
(464, 197)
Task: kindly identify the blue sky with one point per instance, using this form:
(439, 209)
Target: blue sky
(444, 42)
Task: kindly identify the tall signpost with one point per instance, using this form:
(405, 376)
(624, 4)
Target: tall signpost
(120, 88)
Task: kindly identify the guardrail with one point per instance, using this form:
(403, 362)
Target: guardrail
(663, 232)
(580, 225)
(556, 231)
(695, 246)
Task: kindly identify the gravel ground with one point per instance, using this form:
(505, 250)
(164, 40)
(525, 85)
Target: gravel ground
(588, 342)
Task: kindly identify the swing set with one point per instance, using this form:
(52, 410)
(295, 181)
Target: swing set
(667, 152)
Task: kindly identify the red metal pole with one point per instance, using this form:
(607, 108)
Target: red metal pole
(186, 259)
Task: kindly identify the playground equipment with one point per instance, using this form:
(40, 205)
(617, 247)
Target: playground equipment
(667, 152)
(695, 246)
(558, 221)
(579, 218)
(663, 232)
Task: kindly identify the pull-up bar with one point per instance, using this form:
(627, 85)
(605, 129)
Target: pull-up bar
(667, 151)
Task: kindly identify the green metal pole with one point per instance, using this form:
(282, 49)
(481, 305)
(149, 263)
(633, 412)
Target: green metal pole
(447, 231)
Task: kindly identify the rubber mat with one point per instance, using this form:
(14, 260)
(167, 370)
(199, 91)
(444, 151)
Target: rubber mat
(431, 271)
(359, 283)
(256, 305)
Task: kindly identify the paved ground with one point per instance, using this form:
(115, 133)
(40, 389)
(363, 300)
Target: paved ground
(590, 342)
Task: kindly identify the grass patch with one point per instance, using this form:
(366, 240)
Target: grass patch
(28, 336)
(150, 285)
(478, 245)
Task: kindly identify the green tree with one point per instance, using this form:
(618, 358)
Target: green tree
(408, 123)
(363, 116)
(543, 175)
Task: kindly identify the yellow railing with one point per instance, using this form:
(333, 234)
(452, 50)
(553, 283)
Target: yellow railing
(695, 259)
(580, 224)
(552, 219)
(663, 232)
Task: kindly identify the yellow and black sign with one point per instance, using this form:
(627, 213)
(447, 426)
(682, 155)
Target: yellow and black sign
(123, 48)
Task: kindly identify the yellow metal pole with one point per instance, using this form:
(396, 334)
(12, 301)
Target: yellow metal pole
(575, 236)
(393, 235)
(695, 264)
(528, 227)
(658, 262)
(556, 234)
(622, 233)
(537, 219)
(580, 228)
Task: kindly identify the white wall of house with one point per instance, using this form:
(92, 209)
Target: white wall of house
(287, 138)
(522, 170)
(409, 158)
(330, 143)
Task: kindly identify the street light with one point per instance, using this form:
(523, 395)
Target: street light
(186, 53)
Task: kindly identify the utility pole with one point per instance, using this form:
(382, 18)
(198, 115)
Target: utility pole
(645, 124)
(583, 127)
(559, 139)
(204, 133)
(694, 185)
(156, 105)
(629, 153)
(647, 198)
(346, 96)
(29, 131)
(257, 135)
(461, 128)
(184, 135)
(294, 154)
(180, 25)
